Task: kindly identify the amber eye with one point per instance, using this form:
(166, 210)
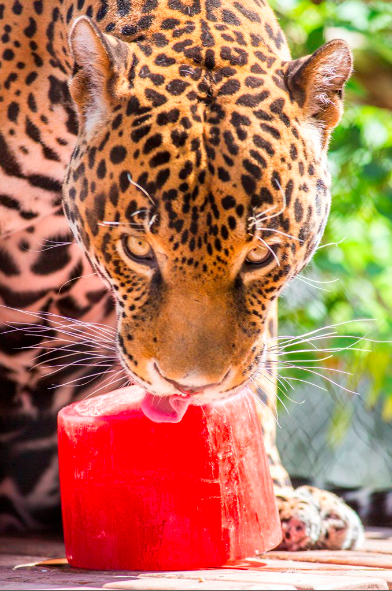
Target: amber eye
(138, 249)
(261, 256)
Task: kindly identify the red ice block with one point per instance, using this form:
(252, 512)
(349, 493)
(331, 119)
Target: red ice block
(138, 495)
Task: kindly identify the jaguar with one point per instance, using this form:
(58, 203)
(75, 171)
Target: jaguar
(163, 176)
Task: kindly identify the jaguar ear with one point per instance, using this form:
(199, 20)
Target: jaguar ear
(316, 83)
(100, 62)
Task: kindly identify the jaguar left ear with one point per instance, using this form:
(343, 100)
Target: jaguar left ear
(316, 83)
(100, 61)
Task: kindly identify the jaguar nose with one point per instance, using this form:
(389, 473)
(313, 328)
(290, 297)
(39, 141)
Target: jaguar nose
(190, 389)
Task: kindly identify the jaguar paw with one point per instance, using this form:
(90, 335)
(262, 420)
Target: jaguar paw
(315, 519)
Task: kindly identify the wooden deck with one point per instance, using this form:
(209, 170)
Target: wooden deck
(23, 566)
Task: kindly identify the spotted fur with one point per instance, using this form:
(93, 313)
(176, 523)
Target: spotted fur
(184, 123)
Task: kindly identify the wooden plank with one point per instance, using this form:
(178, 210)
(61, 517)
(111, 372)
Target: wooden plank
(343, 557)
(378, 547)
(379, 533)
(368, 569)
(67, 575)
(18, 561)
(298, 580)
(268, 564)
(27, 586)
(361, 574)
(157, 584)
(58, 578)
(50, 579)
(378, 540)
(43, 546)
(326, 569)
(68, 578)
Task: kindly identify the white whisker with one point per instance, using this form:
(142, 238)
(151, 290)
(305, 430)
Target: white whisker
(104, 384)
(332, 243)
(279, 232)
(269, 248)
(75, 279)
(306, 382)
(311, 284)
(325, 378)
(140, 211)
(262, 404)
(261, 216)
(51, 315)
(88, 379)
(140, 188)
(152, 220)
(316, 281)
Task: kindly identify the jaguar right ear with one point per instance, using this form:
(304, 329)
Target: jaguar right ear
(100, 64)
(316, 83)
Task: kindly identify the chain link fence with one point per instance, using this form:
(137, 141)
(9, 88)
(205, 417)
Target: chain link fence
(317, 445)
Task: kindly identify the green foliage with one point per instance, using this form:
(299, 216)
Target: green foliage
(361, 216)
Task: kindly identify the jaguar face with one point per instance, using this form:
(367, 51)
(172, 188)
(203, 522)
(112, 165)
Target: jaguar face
(197, 194)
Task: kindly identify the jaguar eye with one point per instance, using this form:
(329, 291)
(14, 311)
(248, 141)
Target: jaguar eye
(261, 256)
(137, 249)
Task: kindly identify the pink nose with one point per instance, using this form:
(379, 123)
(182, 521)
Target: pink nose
(187, 389)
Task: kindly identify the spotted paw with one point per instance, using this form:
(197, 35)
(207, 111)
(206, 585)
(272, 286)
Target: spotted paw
(316, 519)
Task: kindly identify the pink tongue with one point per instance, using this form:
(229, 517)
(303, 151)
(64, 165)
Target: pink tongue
(165, 409)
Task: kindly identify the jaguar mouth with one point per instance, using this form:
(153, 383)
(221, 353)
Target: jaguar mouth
(171, 408)
(165, 409)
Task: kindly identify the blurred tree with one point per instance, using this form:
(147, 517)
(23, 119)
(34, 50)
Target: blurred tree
(358, 268)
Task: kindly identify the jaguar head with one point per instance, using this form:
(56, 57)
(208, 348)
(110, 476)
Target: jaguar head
(197, 193)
